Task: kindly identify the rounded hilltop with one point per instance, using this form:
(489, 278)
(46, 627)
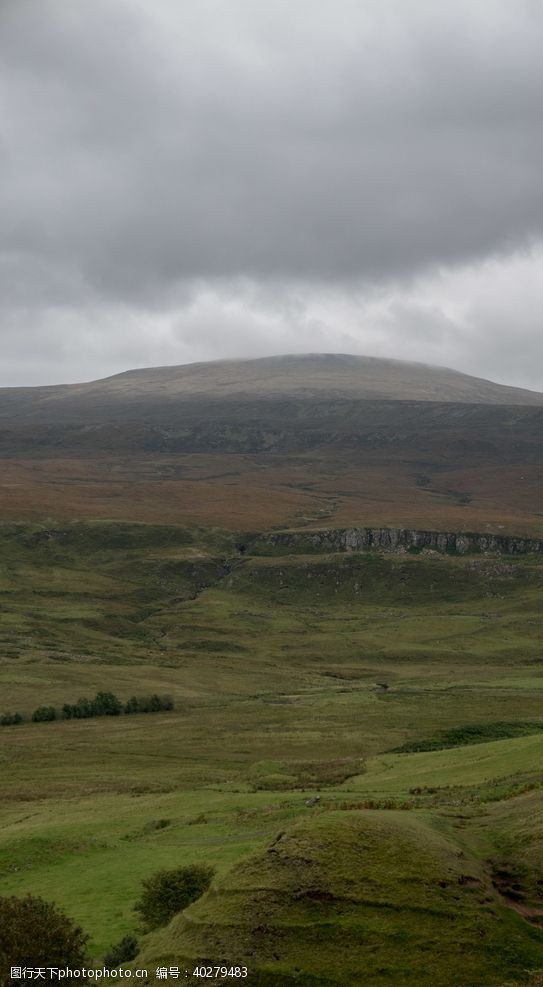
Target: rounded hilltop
(314, 375)
(301, 376)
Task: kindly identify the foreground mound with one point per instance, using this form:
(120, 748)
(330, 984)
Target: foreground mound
(352, 898)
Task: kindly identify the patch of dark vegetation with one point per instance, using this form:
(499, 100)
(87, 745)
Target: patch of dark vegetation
(170, 891)
(476, 733)
(373, 804)
(156, 824)
(10, 719)
(495, 790)
(44, 714)
(148, 704)
(37, 934)
(103, 704)
(106, 535)
(122, 952)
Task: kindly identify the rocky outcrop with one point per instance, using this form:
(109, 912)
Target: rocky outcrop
(390, 539)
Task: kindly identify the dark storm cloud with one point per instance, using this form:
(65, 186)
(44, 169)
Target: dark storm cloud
(145, 143)
(153, 152)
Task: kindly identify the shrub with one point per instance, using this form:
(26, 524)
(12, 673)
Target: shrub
(44, 713)
(35, 933)
(10, 719)
(103, 704)
(472, 733)
(107, 704)
(170, 891)
(124, 951)
(82, 709)
(148, 704)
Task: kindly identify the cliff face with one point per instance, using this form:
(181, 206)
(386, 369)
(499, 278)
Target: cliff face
(362, 539)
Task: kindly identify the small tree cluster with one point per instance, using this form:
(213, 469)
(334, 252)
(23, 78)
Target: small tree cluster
(148, 704)
(44, 713)
(103, 704)
(10, 719)
(35, 933)
(170, 891)
(122, 952)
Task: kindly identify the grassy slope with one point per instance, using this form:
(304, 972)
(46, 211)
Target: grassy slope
(268, 660)
(357, 897)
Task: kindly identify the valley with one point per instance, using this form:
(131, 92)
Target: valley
(356, 743)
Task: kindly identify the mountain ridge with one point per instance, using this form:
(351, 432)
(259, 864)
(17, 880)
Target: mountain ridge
(322, 376)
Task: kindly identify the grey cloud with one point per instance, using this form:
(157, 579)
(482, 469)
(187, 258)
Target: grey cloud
(186, 181)
(149, 144)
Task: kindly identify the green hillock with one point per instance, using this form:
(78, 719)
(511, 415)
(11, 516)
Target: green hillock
(353, 898)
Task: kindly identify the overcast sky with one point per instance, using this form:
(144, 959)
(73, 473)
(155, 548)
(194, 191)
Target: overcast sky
(192, 180)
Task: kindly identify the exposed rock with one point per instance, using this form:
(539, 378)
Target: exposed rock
(393, 539)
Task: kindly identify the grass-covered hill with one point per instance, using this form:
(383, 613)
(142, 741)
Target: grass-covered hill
(356, 897)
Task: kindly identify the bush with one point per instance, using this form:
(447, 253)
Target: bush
(472, 733)
(44, 713)
(35, 933)
(148, 704)
(107, 704)
(10, 719)
(124, 951)
(170, 891)
(103, 704)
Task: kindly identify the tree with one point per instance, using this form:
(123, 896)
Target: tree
(107, 704)
(10, 719)
(44, 713)
(170, 891)
(148, 704)
(82, 709)
(124, 951)
(35, 933)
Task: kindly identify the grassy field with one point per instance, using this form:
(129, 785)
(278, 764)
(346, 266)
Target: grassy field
(277, 667)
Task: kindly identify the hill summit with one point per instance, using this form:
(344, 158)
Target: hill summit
(305, 377)
(313, 375)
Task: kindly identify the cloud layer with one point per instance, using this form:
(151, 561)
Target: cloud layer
(197, 180)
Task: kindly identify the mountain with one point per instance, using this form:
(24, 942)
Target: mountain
(307, 377)
(322, 439)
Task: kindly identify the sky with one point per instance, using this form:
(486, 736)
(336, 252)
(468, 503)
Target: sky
(228, 178)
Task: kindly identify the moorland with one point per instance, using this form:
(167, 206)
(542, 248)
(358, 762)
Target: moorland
(356, 743)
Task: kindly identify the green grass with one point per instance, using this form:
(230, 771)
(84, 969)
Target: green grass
(476, 765)
(92, 857)
(272, 664)
(353, 898)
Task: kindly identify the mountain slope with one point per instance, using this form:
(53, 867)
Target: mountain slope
(321, 376)
(329, 375)
(323, 439)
